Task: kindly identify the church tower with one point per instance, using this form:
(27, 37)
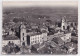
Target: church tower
(63, 23)
(23, 38)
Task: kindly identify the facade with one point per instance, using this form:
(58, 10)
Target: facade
(5, 42)
(38, 38)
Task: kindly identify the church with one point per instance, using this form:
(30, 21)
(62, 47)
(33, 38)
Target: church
(31, 38)
(64, 24)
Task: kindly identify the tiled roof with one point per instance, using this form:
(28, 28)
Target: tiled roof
(53, 44)
(35, 34)
(58, 40)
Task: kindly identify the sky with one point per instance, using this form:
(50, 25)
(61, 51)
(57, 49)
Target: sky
(39, 3)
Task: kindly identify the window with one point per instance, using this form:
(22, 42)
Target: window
(23, 38)
(23, 44)
(23, 34)
(64, 27)
(35, 41)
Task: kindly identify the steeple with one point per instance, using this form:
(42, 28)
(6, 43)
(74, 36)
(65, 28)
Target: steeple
(63, 23)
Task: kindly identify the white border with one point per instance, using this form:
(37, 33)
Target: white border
(40, 0)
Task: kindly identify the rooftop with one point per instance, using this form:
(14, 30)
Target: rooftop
(33, 34)
(36, 46)
(37, 33)
(10, 37)
(53, 44)
(61, 34)
(71, 44)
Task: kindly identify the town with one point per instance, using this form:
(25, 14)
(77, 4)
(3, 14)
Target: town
(60, 38)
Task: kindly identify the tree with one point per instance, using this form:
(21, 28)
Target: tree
(15, 20)
(49, 21)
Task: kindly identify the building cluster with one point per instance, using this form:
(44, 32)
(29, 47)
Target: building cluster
(36, 38)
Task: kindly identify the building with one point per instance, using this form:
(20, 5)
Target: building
(37, 38)
(11, 32)
(61, 38)
(37, 47)
(66, 25)
(63, 24)
(23, 35)
(11, 39)
(27, 38)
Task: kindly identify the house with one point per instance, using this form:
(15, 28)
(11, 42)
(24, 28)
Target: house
(58, 41)
(11, 39)
(37, 47)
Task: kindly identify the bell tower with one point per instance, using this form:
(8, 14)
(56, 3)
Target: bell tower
(63, 23)
(23, 38)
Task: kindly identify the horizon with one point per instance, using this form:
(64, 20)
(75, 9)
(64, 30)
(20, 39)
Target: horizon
(40, 3)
